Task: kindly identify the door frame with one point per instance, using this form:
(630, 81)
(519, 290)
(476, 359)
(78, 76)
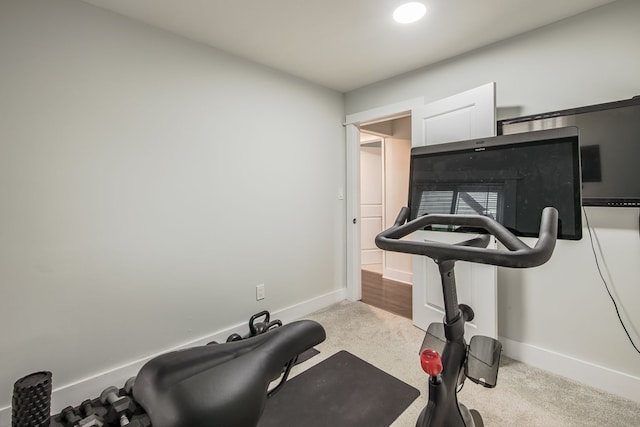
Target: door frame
(352, 125)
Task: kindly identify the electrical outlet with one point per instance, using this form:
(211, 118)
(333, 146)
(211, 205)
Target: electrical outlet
(260, 292)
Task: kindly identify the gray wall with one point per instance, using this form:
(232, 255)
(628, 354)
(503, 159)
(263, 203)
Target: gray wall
(147, 185)
(561, 307)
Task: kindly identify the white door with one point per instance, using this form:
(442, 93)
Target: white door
(371, 200)
(467, 115)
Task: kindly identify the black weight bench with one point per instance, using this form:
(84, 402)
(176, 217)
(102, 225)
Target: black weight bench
(221, 384)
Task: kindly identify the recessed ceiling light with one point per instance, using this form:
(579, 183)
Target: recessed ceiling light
(409, 12)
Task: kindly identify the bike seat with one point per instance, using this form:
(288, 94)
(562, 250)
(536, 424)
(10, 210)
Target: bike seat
(220, 384)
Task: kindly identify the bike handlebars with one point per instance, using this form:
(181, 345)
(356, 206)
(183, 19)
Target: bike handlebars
(518, 255)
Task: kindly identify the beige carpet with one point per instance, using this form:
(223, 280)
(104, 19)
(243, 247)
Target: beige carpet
(524, 396)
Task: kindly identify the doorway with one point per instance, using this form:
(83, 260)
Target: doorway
(466, 115)
(385, 149)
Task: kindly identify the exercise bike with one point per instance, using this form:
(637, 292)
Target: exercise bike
(458, 361)
(228, 384)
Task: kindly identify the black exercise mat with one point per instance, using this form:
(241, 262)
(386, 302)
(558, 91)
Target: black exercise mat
(342, 391)
(306, 355)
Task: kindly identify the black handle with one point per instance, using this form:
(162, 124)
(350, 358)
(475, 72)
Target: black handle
(252, 327)
(518, 255)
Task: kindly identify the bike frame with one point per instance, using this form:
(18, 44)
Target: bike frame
(443, 408)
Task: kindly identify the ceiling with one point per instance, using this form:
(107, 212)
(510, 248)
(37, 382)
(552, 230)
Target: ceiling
(346, 44)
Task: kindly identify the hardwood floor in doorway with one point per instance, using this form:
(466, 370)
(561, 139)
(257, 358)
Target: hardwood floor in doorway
(386, 294)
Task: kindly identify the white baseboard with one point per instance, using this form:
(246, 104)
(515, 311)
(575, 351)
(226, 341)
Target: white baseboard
(90, 387)
(600, 377)
(398, 275)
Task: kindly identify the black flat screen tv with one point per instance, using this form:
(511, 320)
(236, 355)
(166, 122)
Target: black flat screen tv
(510, 178)
(610, 148)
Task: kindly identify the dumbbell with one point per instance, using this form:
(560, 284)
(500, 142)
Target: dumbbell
(234, 337)
(128, 386)
(120, 404)
(139, 420)
(91, 419)
(87, 408)
(69, 416)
